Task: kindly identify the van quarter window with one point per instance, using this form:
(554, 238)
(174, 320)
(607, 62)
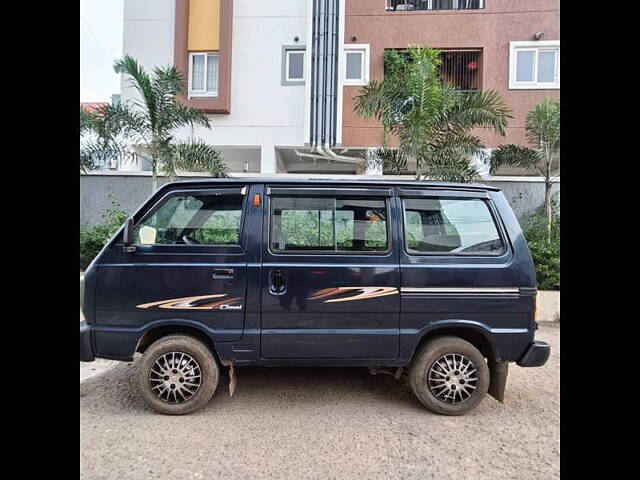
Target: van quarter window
(339, 224)
(193, 219)
(436, 225)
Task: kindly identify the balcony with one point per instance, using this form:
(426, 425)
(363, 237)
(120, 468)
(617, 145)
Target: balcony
(412, 5)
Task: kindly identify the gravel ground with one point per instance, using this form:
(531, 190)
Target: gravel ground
(312, 423)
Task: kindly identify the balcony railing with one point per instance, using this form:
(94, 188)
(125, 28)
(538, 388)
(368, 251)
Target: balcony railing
(406, 5)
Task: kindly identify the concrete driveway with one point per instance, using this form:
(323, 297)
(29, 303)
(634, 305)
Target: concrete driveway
(312, 423)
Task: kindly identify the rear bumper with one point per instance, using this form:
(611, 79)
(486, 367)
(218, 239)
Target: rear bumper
(536, 355)
(86, 352)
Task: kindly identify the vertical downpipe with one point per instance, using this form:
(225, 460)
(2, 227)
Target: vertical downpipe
(318, 117)
(331, 53)
(323, 59)
(314, 74)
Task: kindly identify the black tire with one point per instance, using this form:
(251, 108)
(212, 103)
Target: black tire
(426, 358)
(209, 371)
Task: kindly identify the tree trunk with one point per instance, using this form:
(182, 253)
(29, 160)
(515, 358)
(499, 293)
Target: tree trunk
(154, 176)
(547, 206)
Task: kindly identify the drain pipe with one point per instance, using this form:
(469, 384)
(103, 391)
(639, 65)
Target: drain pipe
(326, 154)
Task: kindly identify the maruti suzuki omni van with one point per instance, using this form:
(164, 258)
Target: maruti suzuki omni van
(429, 280)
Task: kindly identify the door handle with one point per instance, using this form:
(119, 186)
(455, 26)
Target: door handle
(277, 283)
(223, 273)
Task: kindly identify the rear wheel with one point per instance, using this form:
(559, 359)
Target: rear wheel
(449, 376)
(177, 374)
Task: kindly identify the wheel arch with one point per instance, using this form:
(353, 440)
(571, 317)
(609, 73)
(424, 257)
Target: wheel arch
(473, 333)
(157, 332)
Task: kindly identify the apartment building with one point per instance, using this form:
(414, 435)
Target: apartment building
(278, 77)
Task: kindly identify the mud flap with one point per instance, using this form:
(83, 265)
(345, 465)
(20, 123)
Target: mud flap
(498, 379)
(232, 379)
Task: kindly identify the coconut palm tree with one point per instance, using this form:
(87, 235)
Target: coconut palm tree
(152, 121)
(543, 133)
(432, 120)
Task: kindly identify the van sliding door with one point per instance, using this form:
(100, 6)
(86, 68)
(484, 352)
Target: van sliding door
(330, 273)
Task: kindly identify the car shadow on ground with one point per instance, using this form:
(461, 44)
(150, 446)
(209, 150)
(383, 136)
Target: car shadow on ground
(306, 387)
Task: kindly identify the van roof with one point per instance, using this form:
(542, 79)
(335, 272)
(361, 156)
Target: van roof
(336, 181)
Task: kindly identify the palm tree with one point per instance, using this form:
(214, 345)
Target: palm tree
(543, 133)
(431, 119)
(100, 138)
(86, 123)
(152, 122)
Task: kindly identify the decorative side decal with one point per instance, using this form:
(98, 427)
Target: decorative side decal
(362, 293)
(203, 302)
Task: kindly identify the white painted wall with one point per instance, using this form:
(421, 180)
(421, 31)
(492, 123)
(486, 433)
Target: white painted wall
(263, 112)
(148, 34)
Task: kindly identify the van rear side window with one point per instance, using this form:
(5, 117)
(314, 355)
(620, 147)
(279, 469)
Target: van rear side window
(332, 225)
(446, 225)
(193, 219)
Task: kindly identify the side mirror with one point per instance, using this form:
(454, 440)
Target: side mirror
(128, 236)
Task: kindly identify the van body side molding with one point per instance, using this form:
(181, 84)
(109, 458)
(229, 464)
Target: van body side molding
(462, 290)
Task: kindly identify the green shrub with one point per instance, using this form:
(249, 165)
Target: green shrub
(545, 250)
(94, 237)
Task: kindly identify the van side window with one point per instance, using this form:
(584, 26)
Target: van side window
(193, 219)
(328, 224)
(436, 225)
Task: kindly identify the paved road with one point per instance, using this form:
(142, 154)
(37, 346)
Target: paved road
(311, 423)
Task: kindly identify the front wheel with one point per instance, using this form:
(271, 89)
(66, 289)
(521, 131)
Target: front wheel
(449, 376)
(177, 375)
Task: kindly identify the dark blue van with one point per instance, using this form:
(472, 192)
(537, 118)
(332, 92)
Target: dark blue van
(429, 280)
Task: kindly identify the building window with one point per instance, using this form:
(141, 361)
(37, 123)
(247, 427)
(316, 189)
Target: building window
(534, 65)
(293, 64)
(462, 69)
(203, 74)
(404, 5)
(356, 65)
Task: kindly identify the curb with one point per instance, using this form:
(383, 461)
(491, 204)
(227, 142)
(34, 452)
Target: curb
(548, 306)
(103, 371)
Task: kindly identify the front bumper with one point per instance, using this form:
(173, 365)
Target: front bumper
(536, 355)
(86, 352)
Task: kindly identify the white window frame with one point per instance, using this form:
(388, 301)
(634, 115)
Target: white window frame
(536, 47)
(357, 48)
(203, 92)
(288, 52)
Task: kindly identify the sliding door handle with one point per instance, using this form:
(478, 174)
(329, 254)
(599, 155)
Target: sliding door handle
(223, 273)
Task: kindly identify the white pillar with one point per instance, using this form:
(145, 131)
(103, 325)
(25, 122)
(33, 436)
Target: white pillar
(481, 162)
(370, 168)
(268, 159)
(373, 169)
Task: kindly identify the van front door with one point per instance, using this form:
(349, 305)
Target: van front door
(330, 274)
(188, 268)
